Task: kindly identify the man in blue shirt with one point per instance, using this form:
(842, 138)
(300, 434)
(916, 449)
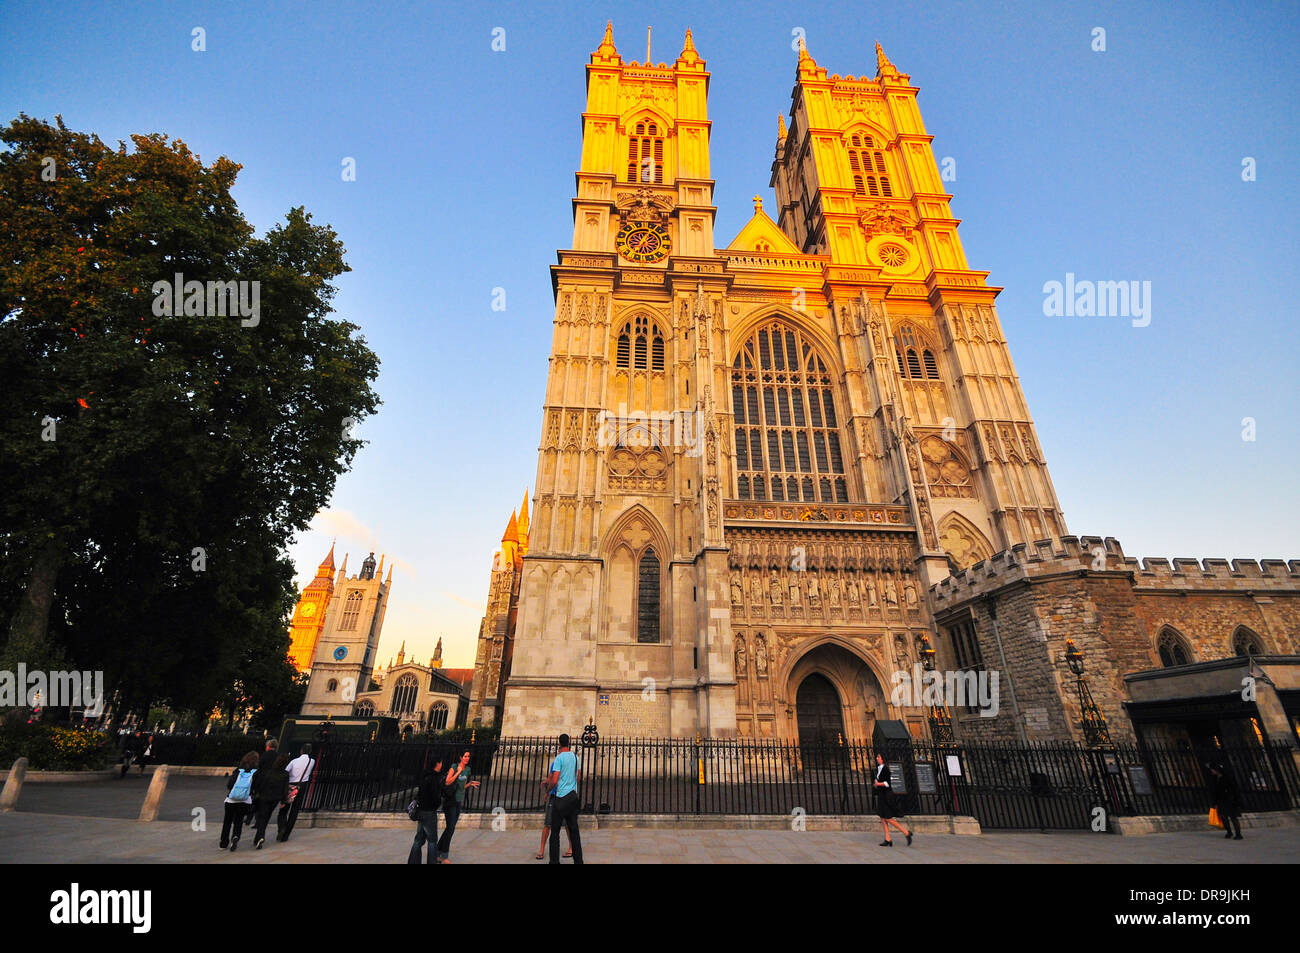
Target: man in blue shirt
(566, 772)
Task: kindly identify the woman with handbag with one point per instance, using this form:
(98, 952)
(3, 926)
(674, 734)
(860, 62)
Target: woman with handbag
(1227, 802)
(424, 811)
(885, 805)
(457, 781)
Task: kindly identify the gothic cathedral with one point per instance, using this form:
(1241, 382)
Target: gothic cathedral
(756, 459)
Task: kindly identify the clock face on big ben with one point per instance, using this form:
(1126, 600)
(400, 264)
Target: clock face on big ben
(308, 610)
(643, 243)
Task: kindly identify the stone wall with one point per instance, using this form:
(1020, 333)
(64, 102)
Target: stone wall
(1113, 607)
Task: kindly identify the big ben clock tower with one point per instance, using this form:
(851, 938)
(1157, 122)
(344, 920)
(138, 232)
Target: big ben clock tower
(309, 615)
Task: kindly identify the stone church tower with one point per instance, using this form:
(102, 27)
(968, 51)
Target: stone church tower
(755, 460)
(308, 618)
(496, 634)
(349, 638)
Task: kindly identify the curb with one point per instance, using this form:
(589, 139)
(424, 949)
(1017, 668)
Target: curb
(1145, 824)
(922, 824)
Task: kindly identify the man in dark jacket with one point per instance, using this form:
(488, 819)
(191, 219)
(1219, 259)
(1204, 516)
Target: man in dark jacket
(269, 755)
(428, 800)
(270, 788)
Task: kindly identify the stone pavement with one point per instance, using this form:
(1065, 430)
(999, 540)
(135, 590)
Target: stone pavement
(31, 837)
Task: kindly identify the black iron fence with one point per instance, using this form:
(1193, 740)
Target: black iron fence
(1044, 786)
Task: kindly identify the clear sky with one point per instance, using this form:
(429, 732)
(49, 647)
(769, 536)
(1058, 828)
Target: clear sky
(1117, 165)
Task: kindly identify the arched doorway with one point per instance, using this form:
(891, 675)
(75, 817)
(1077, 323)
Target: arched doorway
(819, 711)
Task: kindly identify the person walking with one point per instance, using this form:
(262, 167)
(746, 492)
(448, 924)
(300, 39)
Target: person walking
(428, 799)
(566, 772)
(146, 753)
(886, 806)
(128, 753)
(300, 769)
(548, 818)
(267, 760)
(270, 789)
(1227, 800)
(239, 798)
(458, 779)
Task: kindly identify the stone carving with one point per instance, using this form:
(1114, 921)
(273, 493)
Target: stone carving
(851, 588)
(796, 594)
(760, 657)
(737, 593)
(909, 592)
(814, 594)
(740, 656)
(774, 589)
(833, 591)
(755, 591)
(945, 471)
(872, 599)
(891, 596)
(881, 219)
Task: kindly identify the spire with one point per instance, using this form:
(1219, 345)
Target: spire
(807, 65)
(780, 126)
(607, 52)
(523, 519)
(511, 534)
(883, 66)
(688, 55)
(401, 653)
(326, 567)
(389, 581)
(437, 655)
(380, 571)
(344, 568)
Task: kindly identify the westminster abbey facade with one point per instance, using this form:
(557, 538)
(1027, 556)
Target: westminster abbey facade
(769, 469)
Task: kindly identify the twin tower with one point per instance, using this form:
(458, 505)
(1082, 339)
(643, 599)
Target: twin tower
(756, 459)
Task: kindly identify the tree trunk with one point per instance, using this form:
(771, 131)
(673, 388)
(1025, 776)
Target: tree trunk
(29, 628)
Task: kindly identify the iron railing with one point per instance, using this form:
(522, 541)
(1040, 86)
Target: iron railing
(1038, 786)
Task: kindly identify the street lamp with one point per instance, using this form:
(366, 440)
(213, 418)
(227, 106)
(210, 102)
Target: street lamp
(1093, 723)
(940, 721)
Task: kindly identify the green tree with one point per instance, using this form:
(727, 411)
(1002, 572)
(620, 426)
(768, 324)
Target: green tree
(154, 466)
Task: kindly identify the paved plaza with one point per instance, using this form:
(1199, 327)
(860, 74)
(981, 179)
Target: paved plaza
(95, 823)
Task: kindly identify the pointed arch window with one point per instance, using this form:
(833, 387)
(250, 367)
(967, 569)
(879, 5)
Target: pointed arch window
(645, 154)
(1246, 643)
(867, 164)
(404, 693)
(647, 597)
(1173, 649)
(787, 430)
(438, 716)
(351, 611)
(916, 358)
(640, 345)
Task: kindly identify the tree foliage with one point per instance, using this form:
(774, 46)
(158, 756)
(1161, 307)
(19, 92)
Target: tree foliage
(147, 538)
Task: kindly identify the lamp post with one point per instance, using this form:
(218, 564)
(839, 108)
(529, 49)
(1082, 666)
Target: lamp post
(1093, 723)
(940, 720)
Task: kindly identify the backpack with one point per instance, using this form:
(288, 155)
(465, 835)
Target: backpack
(243, 786)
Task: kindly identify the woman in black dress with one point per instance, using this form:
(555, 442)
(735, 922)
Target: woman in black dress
(885, 805)
(1223, 789)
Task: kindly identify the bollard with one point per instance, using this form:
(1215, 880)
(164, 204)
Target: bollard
(153, 797)
(14, 784)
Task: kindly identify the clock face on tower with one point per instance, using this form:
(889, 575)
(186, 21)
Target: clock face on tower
(643, 243)
(308, 610)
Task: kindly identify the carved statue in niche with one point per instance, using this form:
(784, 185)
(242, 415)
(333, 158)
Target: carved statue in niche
(737, 593)
(891, 597)
(833, 590)
(796, 594)
(755, 590)
(740, 657)
(851, 587)
(760, 657)
(774, 588)
(909, 591)
(871, 592)
(814, 594)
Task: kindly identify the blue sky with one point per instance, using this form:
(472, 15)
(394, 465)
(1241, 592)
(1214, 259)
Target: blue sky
(1116, 165)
